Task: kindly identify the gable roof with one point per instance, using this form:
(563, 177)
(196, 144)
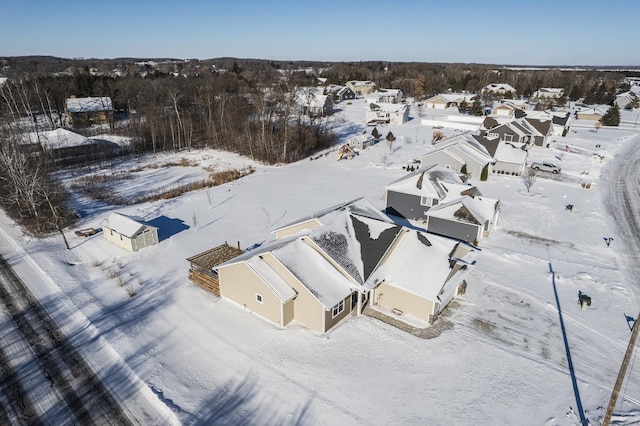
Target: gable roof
(323, 280)
(475, 210)
(271, 278)
(58, 138)
(542, 126)
(419, 264)
(125, 225)
(433, 181)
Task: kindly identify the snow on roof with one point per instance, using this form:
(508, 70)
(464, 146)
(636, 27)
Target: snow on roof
(419, 264)
(510, 153)
(360, 206)
(125, 225)
(321, 278)
(428, 182)
(362, 83)
(58, 138)
(90, 104)
(271, 278)
(494, 87)
(456, 97)
(481, 208)
(3, 80)
(388, 107)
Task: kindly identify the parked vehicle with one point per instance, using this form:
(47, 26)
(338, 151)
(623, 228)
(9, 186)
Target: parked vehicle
(545, 166)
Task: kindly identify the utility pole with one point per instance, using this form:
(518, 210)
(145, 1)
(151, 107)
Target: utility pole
(623, 370)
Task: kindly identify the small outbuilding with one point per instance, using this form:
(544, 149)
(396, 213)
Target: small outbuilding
(129, 232)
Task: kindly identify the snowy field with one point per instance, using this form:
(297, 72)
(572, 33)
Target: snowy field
(503, 363)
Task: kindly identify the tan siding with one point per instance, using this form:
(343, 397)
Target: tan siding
(288, 312)
(306, 308)
(310, 224)
(117, 239)
(240, 284)
(331, 322)
(394, 298)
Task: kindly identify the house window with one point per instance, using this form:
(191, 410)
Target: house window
(111, 232)
(508, 137)
(337, 309)
(426, 201)
(258, 298)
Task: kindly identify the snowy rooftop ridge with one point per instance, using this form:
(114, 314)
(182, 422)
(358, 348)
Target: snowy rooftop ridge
(90, 104)
(125, 225)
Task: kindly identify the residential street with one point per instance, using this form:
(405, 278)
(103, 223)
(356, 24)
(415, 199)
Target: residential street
(44, 379)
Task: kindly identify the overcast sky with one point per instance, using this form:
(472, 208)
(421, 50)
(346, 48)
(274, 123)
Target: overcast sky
(535, 32)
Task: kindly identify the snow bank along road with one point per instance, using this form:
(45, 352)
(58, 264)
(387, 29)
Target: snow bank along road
(74, 394)
(623, 201)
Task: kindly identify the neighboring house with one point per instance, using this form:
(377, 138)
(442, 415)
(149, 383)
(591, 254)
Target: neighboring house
(437, 196)
(625, 99)
(510, 158)
(448, 100)
(323, 268)
(499, 89)
(66, 147)
(387, 113)
(314, 103)
(361, 87)
(129, 232)
(509, 108)
(388, 96)
(590, 113)
(548, 93)
(411, 196)
(560, 124)
(523, 130)
(458, 152)
(85, 112)
(361, 141)
(345, 94)
(468, 218)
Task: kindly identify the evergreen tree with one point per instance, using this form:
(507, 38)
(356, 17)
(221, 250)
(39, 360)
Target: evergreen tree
(476, 107)
(375, 133)
(612, 117)
(485, 173)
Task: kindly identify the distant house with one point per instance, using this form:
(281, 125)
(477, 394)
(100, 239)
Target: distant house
(387, 113)
(332, 264)
(548, 93)
(460, 152)
(85, 112)
(509, 108)
(65, 147)
(314, 103)
(627, 99)
(523, 130)
(500, 89)
(129, 232)
(590, 113)
(345, 94)
(388, 96)
(560, 124)
(361, 87)
(449, 100)
(361, 141)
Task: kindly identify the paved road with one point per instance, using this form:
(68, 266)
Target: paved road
(623, 199)
(43, 378)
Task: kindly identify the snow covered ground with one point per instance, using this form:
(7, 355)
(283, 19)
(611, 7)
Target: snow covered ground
(504, 362)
